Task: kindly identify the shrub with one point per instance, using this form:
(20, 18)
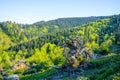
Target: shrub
(19, 71)
(58, 60)
(116, 76)
(82, 78)
(30, 71)
(1, 77)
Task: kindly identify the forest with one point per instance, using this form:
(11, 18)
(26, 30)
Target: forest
(36, 51)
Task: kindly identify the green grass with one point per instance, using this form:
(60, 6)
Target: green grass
(105, 68)
(39, 75)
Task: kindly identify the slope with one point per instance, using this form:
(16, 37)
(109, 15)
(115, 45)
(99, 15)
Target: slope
(69, 22)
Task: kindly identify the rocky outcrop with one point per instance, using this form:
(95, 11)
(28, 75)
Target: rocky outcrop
(22, 64)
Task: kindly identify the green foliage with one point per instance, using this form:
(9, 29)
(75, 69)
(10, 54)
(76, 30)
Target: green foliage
(5, 60)
(39, 75)
(68, 22)
(115, 77)
(49, 53)
(19, 72)
(1, 77)
(39, 43)
(104, 47)
(45, 30)
(105, 66)
(59, 61)
(5, 41)
(82, 78)
(31, 71)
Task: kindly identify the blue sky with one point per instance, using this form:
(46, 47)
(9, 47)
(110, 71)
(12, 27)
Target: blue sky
(30, 11)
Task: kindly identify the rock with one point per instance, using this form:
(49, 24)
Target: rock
(20, 65)
(13, 77)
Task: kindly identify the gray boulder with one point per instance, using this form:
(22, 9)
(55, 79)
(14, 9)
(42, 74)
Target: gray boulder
(13, 77)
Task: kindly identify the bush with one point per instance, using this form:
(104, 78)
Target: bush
(19, 71)
(82, 78)
(105, 67)
(41, 66)
(58, 60)
(116, 76)
(1, 77)
(104, 51)
(30, 71)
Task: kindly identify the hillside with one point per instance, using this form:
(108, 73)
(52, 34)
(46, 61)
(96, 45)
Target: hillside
(31, 51)
(3, 43)
(69, 22)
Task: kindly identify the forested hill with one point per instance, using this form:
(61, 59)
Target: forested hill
(69, 22)
(31, 51)
(24, 32)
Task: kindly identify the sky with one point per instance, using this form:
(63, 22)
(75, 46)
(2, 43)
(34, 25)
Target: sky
(31, 11)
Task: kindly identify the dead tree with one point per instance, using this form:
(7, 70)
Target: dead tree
(76, 51)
